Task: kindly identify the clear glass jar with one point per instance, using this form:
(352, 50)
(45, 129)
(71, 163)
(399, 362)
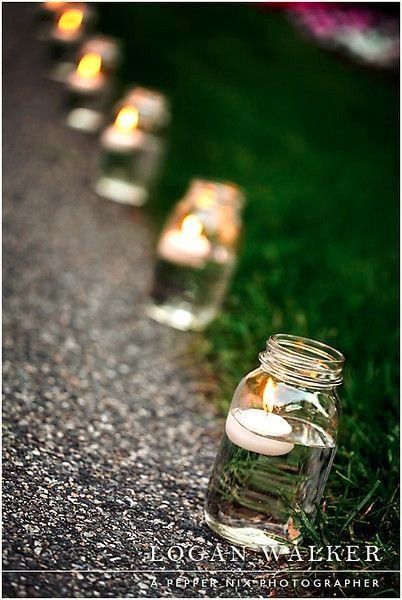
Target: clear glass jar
(196, 255)
(90, 84)
(63, 28)
(278, 446)
(132, 147)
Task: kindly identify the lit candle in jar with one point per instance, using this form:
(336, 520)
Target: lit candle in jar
(130, 158)
(247, 428)
(89, 88)
(187, 245)
(69, 25)
(88, 77)
(123, 134)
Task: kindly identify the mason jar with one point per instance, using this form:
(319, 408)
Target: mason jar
(89, 85)
(132, 147)
(278, 445)
(196, 255)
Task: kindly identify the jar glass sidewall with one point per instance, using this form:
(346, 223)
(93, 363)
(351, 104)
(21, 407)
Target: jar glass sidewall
(316, 407)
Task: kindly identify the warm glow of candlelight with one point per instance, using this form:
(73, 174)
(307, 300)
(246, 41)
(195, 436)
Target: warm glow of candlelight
(127, 119)
(191, 226)
(53, 5)
(71, 20)
(186, 244)
(206, 199)
(89, 65)
(269, 395)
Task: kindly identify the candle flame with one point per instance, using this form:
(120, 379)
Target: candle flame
(89, 65)
(71, 20)
(269, 395)
(127, 119)
(191, 226)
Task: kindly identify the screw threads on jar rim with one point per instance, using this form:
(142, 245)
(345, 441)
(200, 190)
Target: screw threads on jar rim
(301, 361)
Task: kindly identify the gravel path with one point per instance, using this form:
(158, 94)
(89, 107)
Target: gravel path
(107, 443)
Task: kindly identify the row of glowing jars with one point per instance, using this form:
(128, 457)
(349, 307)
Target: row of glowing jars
(197, 248)
(132, 146)
(280, 433)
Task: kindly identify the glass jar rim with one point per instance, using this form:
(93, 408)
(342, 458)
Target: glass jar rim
(303, 361)
(225, 192)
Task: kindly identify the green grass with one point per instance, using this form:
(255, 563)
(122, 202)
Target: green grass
(313, 141)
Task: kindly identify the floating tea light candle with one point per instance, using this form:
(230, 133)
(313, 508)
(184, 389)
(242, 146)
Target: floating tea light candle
(196, 256)
(70, 23)
(89, 85)
(88, 75)
(187, 245)
(278, 445)
(254, 428)
(131, 151)
(123, 132)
